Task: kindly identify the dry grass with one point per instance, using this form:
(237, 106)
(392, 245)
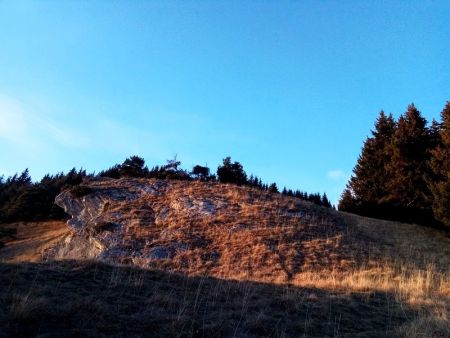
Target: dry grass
(88, 299)
(276, 266)
(26, 242)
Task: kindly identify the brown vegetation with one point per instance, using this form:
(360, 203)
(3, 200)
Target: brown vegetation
(261, 265)
(26, 242)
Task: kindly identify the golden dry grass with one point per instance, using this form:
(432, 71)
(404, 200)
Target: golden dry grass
(371, 277)
(26, 242)
(88, 299)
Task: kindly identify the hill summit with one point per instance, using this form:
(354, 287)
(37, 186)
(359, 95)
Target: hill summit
(202, 227)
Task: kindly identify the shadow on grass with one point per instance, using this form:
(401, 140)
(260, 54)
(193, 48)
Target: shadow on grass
(73, 298)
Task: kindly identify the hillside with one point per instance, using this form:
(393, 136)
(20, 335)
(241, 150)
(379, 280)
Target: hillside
(149, 257)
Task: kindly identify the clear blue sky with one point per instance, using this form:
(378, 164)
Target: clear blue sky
(289, 89)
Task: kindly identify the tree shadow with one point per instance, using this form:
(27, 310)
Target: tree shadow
(76, 298)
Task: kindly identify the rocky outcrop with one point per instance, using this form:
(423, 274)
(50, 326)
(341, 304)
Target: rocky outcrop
(115, 220)
(200, 228)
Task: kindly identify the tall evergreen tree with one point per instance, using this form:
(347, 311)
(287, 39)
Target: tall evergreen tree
(133, 166)
(200, 172)
(230, 172)
(325, 201)
(347, 202)
(440, 165)
(407, 188)
(273, 188)
(368, 183)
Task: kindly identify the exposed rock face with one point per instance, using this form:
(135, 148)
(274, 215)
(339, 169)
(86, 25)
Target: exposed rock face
(114, 214)
(197, 227)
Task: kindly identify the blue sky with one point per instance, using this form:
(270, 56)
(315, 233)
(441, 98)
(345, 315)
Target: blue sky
(288, 88)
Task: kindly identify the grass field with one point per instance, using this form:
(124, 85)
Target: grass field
(80, 298)
(332, 275)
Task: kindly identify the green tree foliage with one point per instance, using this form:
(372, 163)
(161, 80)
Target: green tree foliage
(403, 170)
(407, 188)
(314, 198)
(170, 171)
(173, 171)
(273, 188)
(133, 166)
(348, 202)
(368, 182)
(23, 200)
(201, 173)
(440, 165)
(113, 172)
(325, 201)
(230, 172)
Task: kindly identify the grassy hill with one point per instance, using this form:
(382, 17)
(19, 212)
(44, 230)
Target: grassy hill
(261, 265)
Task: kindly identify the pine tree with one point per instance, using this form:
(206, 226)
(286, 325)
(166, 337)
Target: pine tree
(200, 172)
(325, 201)
(273, 188)
(230, 172)
(347, 202)
(368, 183)
(134, 166)
(435, 131)
(407, 171)
(440, 165)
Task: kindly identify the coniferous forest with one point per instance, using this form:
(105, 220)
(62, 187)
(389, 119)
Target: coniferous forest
(21, 199)
(403, 171)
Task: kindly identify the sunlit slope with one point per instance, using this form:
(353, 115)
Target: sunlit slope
(254, 264)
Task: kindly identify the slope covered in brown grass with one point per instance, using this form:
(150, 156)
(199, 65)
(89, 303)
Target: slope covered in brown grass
(27, 242)
(237, 262)
(215, 229)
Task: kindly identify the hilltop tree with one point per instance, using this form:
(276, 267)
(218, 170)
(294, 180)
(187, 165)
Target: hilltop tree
(172, 165)
(230, 172)
(23, 200)
(435, 134)
(200, 172)
(133, 166)
(440, 165)
(407, 189)
(368, 183)
(347, 202)
(113, 172)
(325, 201)
(172, 170)
(11, 188)
(273, 188)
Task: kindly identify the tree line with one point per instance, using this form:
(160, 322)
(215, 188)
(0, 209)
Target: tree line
(403, 171)
(21, 199)
(227, 172)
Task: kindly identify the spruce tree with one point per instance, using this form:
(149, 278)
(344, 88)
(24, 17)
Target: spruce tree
(407, 189)
(368, 183)
(325, 201)
(347, 202)
(230, 172)
(440, 165)
(134, 166)
(273, 188)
